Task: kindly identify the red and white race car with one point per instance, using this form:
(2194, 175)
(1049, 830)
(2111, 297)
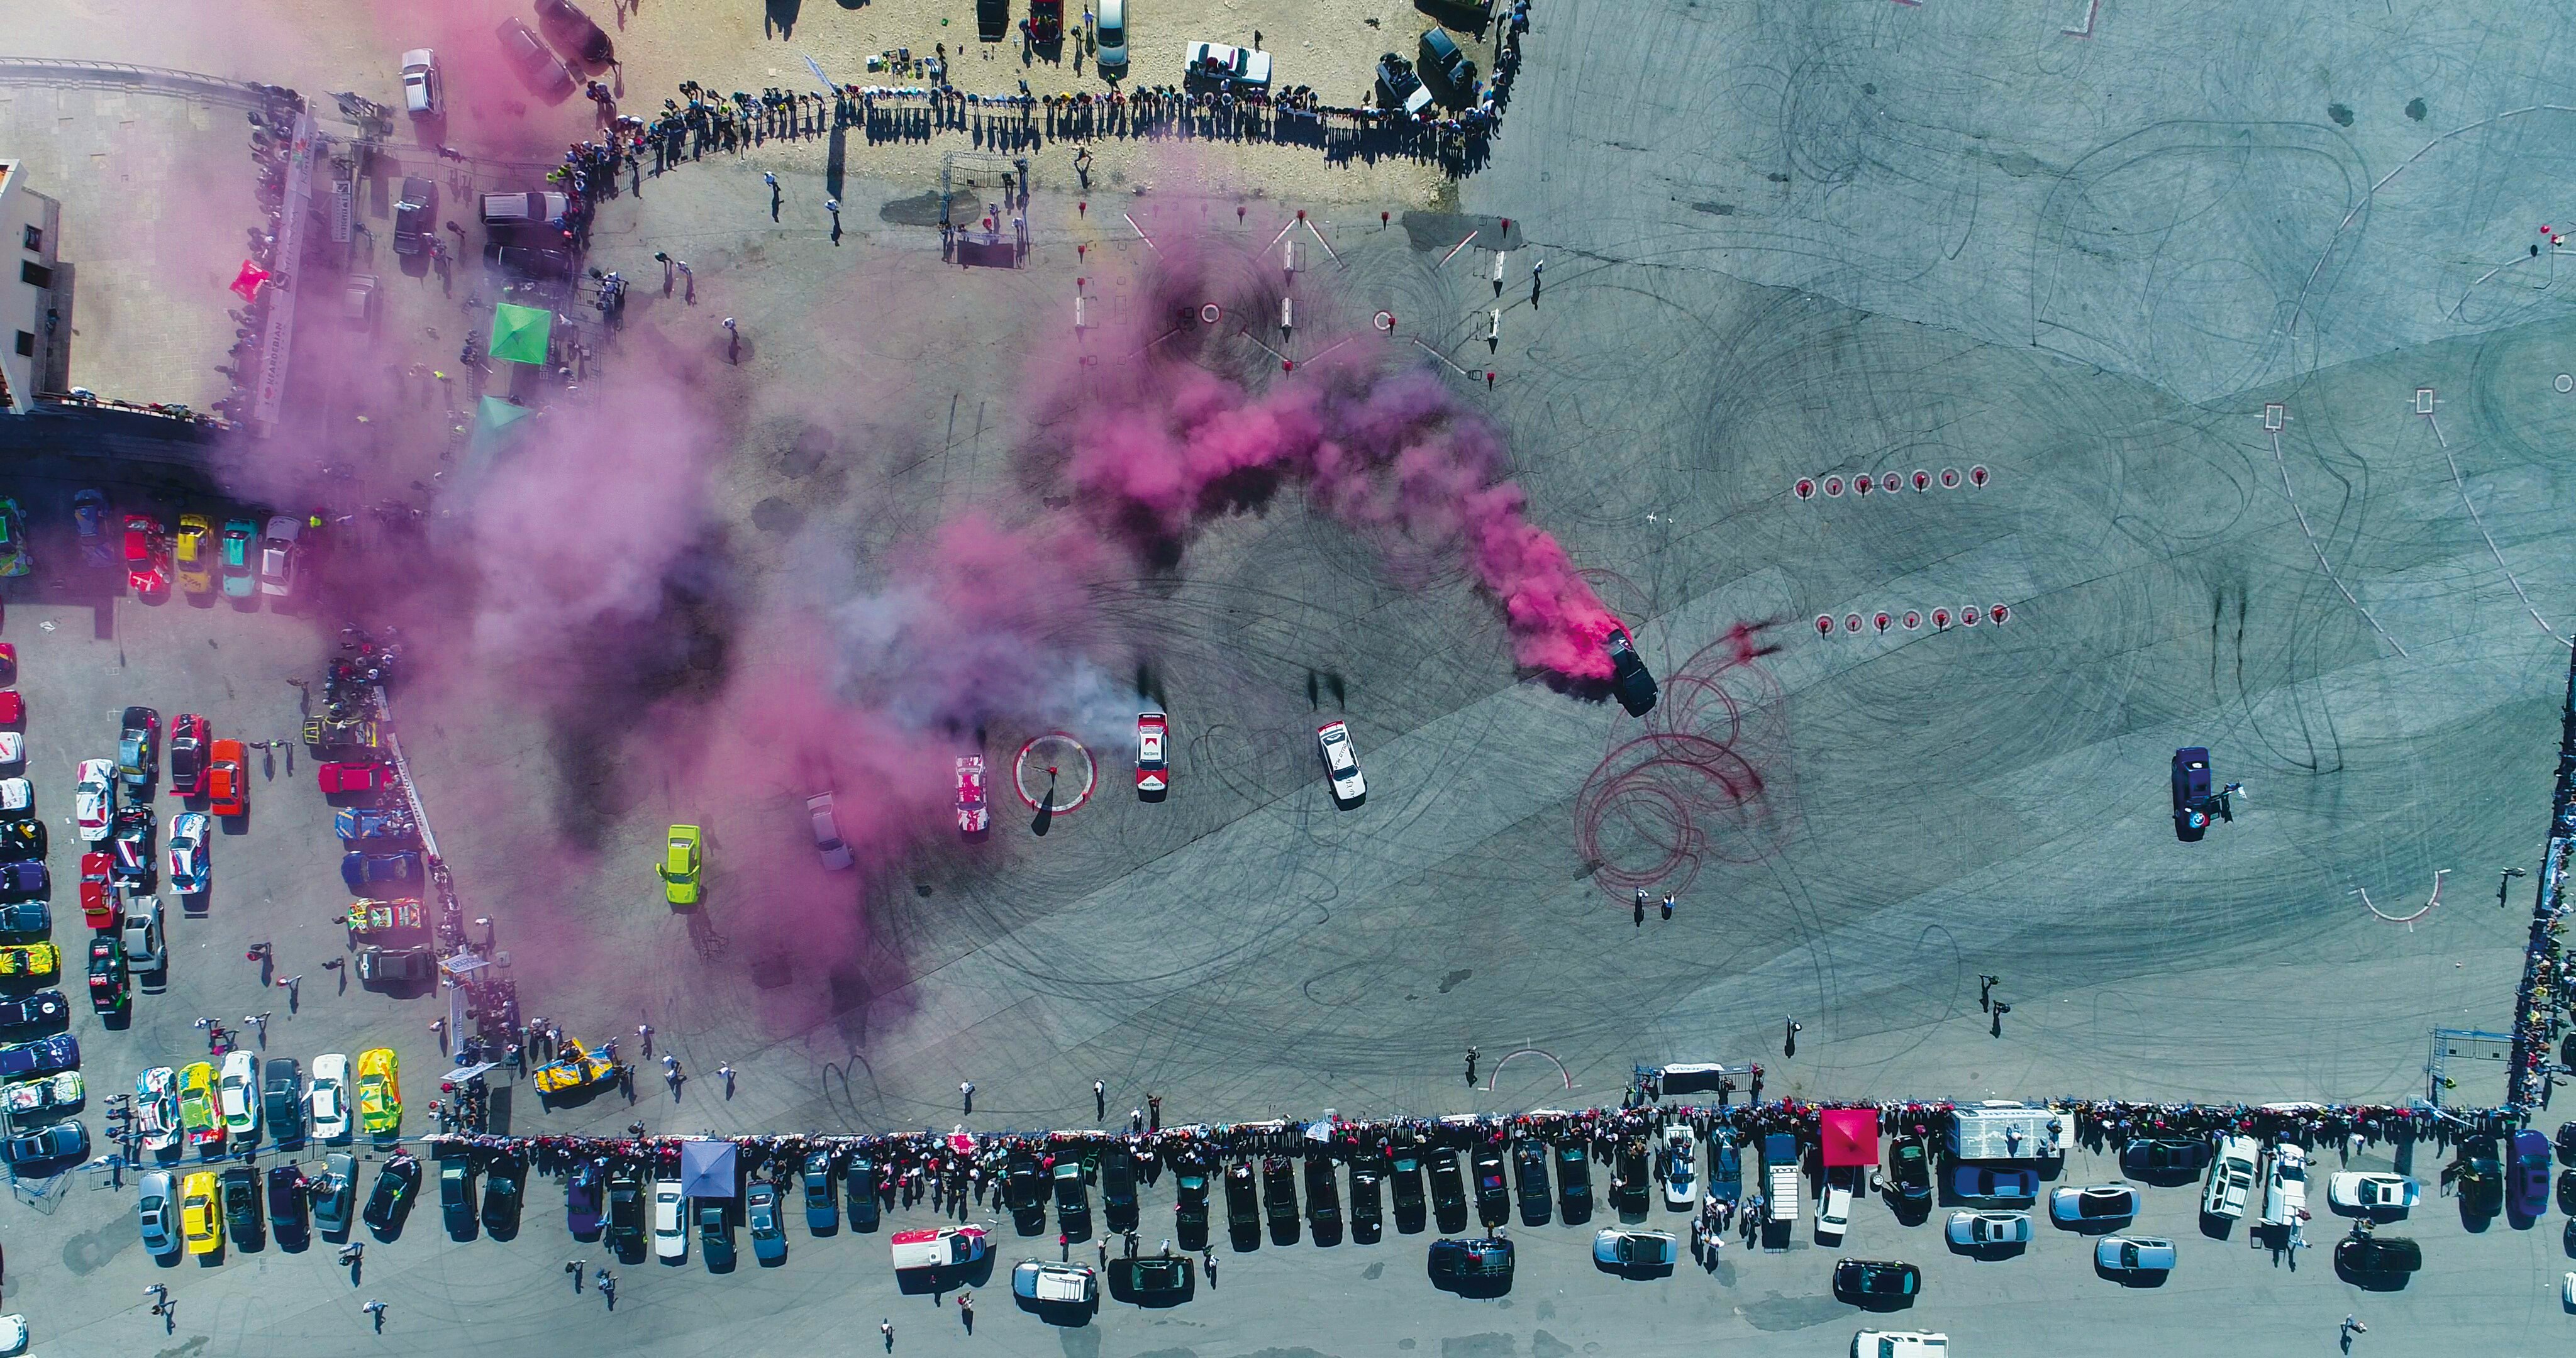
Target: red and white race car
(147, 557)
(974, 814)
(1153, 767)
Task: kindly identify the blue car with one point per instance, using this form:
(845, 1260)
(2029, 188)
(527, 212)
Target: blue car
(27, 881)
(768, 1238)
(2191, 793)
(89, 520)
(44, 1056)
(358, 869)
(373, 825)
(1726, 1169)
(62, 1141)
(2004, 1184)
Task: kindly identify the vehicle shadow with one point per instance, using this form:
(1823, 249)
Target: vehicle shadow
(920, 1282)
(1122, 1287)
(2139, 1278)
(1475, 1289)
(2215, 1227)
(1988, 1254)
(1635, 1273)
(1062, 1314)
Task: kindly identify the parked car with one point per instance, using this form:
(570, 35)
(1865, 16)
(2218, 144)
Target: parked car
(1368, 1219)
(2370, 1194)
(420, 83)
(280, 547)
(1215, 65)
(395, 966)
(1404, 1179)
(1440, 60)
(822, 1208)
(670, 1221)
(94, 799)
(544, 72)
(130, 852)
(146, 945)
(2529, 1186)
(1996, 1183)
(1118, 1189)
(626, 1207)
(156, 1212)
(199, 1115)
(2478, 1176)
(1529, 1179)
(2125, 1254)
(40, 1009)
(16, 557)
(339, 778)
(1834, 1203)
(379, 1098)
(237, 1095)
(760, 1213)
(109, 992)
(1190, 1206)
(859, 1195)
(240, 1190)
(1876, 1281)
(456, 1196)
(1072, 1200)
(1681, 1168)
(233, 557)
(1041, 1283)
(1493, 1199)
(715, 1237)
(396, 1184)
(147, 556)
(1468, 1261)
(1981, 1230)
(1909, 1174)
(1574, 1183)
(1398, 87)
(1448, 1195)
(336, 1192)
(282, 1100)
(1324, 1199)
(360, 869)
(43, 1056)
(286, 1201)
(227, 779)
(2072, 1206)
(2231, 1178)
(2378, 1257)
(138, 750)
(201, 1219)
(1635, 1250)
(190, 870)
(61, 1141)
(2163, 1157)
(504, 1187)
(89, 524)
(1900, 1344)
(584, 1193)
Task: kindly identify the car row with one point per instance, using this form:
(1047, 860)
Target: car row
(240, 560)
(224, 1109)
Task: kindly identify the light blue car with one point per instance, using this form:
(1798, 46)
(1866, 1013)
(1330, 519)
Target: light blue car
(2125, 1254)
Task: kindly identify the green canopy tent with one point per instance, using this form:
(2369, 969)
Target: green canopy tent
(519, 333)
(495, 425)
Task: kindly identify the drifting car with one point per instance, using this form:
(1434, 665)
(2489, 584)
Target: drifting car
(2372, 1194)
(146, 557)
(237, 1095)
(16, 558)
(89, 523)
(1983, 1230)
(379, 1092)
(1681, 1169)
(30, 959)
(974, 814)
(94, 799)
(681, 867)
(1864, 1281)
(232, 556)
(760, 1215)
(108, 988)
(358, 868)
(326, 1101)
(395, 1185)
(198, 1116)
(574, 1068)
(192, 555)
(1488, 1260)
(45, 1096)
(2191, 794)
(33, 1011)
(575, 31)
(156, 1108)
(156, 1213)
(43, 1056)
(828, 844)
(1629, 678)
(132, 847)
(335, 1192)
(1215, 64)
(2126, 1254)
(187, 853)
(278, 554)
(188, 754)
(200, 1217)
(138, 749)
(1153, 767)
(538, 65)
(2072, 1206)
(228, 779)
(670, 1220)
(341, 777)
(22, 885)
(1341, 762)
(1635, 1249)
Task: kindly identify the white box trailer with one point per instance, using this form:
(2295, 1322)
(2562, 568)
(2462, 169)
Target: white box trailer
(1780, 1175)
(2008, 1131)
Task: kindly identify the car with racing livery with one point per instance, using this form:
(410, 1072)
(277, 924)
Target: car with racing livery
(189, 869)
(132, 847)
(147, 557)
(94, 799)
(192, 556)
(1341, 763)
(974, 814)
(188, 754)
(30, 959)
(138, 750)
(1153, 760)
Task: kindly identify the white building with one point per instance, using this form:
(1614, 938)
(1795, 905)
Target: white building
(29, 222)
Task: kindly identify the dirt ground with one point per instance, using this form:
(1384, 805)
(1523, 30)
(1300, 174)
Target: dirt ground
(319, 46)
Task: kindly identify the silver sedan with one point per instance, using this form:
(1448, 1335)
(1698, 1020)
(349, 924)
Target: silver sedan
(1980, 1230)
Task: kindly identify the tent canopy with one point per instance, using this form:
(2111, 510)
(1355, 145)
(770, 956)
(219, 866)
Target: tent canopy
(519, 333)
(708, 1169)
(1851, 1136)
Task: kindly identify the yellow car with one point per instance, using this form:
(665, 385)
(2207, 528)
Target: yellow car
(379, 1092)
(31, 959)
(197, 1115)
(196, 565)
(200, 1217)
(577, 1068)
(680, 866)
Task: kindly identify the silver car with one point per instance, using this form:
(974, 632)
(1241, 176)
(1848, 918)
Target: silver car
(2133, 1254)
(2072, 1206)
(1981, 1230)
(156, 1211)
(1635, 1249)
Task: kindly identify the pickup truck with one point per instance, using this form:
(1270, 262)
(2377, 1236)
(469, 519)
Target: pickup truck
(1215, 64)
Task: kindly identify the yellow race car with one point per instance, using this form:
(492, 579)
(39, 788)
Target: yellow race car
(577, 1068)
(379, 1092)
(200, 1218)
(680, 866)
(197, 1115)
(30, 959)
(190, 553)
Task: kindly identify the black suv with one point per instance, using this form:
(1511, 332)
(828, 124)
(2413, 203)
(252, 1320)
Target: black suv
(1448, 1195)
(1279, 1199)
(1242, 1207)
(1405, 1182)
(1190, 1213)
(1323, 1201)
(1529, 1174)
(415, 216)
(1118, 1188)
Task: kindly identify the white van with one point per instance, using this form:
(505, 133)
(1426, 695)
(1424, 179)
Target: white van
(1112, 33)
(2231, 1177)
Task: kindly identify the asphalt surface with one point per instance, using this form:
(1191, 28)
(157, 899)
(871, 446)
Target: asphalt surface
(1859, 240)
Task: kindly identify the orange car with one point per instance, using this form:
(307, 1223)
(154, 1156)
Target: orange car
(227, 780)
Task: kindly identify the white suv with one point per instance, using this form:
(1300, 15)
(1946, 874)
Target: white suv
(2231, 1177)
(1899, 1344)
(420, 82)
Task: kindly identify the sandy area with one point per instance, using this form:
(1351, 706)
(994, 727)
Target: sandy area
(323, 45)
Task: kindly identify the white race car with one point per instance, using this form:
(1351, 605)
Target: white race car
(1681, 1169)
(237, 1095)
(156, 1108)
(188, 865)
(1153, 766)
(328, 1098)
(1341, 762)
(94, 798)
(2359, 1192)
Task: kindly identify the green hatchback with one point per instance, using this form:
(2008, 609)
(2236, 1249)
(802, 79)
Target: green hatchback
(239, 577)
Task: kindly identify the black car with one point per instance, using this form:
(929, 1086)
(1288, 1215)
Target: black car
(625, 1211)
(1629, 678)
(132, 848)
(1440, 60)
(396, 1184)
(715, 1237)
(1448, 1194)
(456, 1196)
(1242, 1206)
(1572, 1184)
(1072, 1200)
(859, 1190)
(539, 66)
(1404, 1180)
(2164, 1157)
(138, 749)
(2479, 1176)
(2190, 793)
(574, 32)
(238, 1188)
(992, 19)
(1367, 1223)
(335, 1192)
(2566, 1140)
(1493, 1196)
(1461, 1263)
(1628, 1186)
(1118, 1188)
(415, 216)
(1024, 1192)
(42, 1009)
(822, 1211)
(1529, 1178)
(286, 1199)
(1323, 1200)
(1909, 1173)
(394, 966)
(2378, 1256)
(1279, 1198)
(1876, 1281)
(539, 262)
(1190, 1211)
(504, 1184)
(282, 1102)
(108, 989)
(1151, 1280)
(22, 841)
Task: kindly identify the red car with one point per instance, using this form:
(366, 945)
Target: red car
(100, 904)
(8, 663)
(188, 755)
(228, 778)
(13, 708)
(147, 557)
(1153, 761)
(974, 817)
(340, 776)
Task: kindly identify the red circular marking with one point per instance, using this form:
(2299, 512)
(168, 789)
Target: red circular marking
(1824, 624)
(1833, 486)
(1969, 615)
(2001, 613)
(1913, 620)
(1949, 478)
(1880, 620)
(1806, 488)
(1922, 479)
(1861, 483)
(1851, 622)
(1940, 617)
(1977, 477)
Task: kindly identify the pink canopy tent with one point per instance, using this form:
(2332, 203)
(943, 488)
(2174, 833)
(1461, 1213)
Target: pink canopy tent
(1851, 1136)
(248, 280)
